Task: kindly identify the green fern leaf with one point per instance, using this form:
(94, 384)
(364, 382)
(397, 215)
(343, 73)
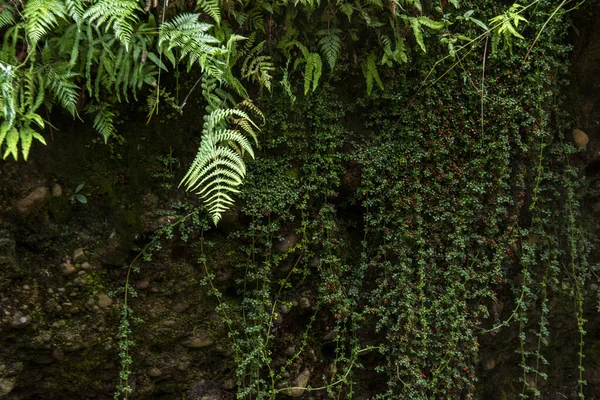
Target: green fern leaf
(212, 8)
(12, 139)
(189, 35)
(7, 17)
(347, 9)
(59, 80)
(331, 45)
(120, 15)
(41, 16)
(4, 128)
(103, 120)
(430, 23)
(219, 168)
(417, 30)
(370, 73)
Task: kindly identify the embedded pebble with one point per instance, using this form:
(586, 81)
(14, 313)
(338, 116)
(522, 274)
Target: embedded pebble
(580, 138)
(143, 284)
(300, 384)
(183, 365)
(67, 268)
(34, 200)
(20, 320)
(314, 262)
(304, 302)
(154, 372)
(196, 342)
(79, 255)
(104, 301)
(56, 190)
(229, 384)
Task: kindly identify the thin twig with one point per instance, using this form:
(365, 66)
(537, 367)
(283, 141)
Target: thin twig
(189, 93)
(483, 83)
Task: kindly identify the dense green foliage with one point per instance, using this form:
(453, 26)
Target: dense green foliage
(433, 200)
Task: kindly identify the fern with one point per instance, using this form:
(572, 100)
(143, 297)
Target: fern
(190, 36)
(330, 44)
(120, 15)
(103, 119)
(212, 8)
(7, 17)
(313, 68)
(27, 134)
(370, 73)
(59, 80)
(219, 168)
(12, 139)
(41, 16)
(258, 67)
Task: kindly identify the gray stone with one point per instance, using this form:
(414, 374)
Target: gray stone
(300, 384)
(331, 335)
(154, 372)
(56, 190)
(67, 268)
(79, 281)
(142, 285)
(304, 302)
(183, 365)
(7, 385)
(229, 384)
(86, 266)
(34, 201)
(289, 351)
(180, 307)
(489, 364)
(198, 341)
(20, 320)
(580, 138)
(287, 243)
(58, 354)
(79, 255)
(104, 301)
(314, 262)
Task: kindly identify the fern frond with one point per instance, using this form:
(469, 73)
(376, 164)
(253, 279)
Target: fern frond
(312, 72)
(27, 134)
(41, 16)
(219, 167)
(258, 68)
(12, 139)
(59, 80)
(370, 73)
(75, 9)
(347, 9)
(190, 36)
(7, 17)
(120, 15)
(103, 119)
(330, 44)
(212, 8)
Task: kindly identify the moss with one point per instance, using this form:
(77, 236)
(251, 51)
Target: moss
(81, 370)
(592, 355)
